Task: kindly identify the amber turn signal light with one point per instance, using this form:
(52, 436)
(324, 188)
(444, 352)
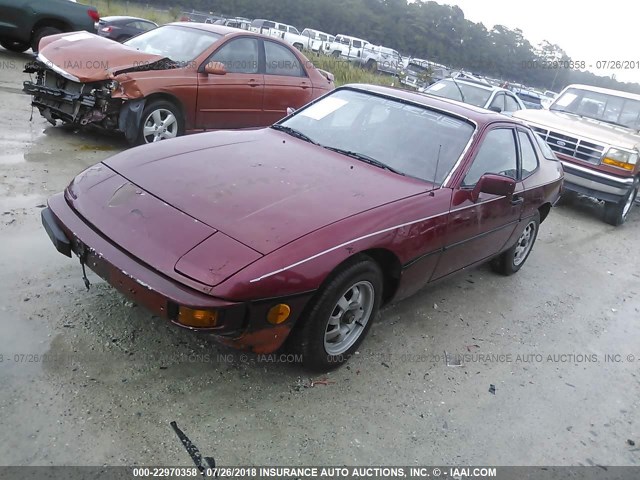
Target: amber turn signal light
(617, 163)
(278, 313)
(197, 318)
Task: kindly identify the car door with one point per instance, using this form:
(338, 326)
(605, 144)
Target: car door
(478, 230)
(285, 81)
(232, 100)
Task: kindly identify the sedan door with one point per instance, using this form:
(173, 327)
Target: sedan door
(232, 100)
(478, 230)
(285, 82)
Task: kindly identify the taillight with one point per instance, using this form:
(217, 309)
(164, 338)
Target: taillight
(95, 16)
(106, 29)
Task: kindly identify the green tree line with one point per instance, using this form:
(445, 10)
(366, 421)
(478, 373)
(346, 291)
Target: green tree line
(423, 29)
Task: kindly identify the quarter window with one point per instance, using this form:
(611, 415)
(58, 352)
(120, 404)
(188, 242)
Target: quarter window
(239, 56)
(528, 155)
(281, 61)
(497, 154)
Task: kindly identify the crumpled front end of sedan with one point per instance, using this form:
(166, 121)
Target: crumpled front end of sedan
(81, 79)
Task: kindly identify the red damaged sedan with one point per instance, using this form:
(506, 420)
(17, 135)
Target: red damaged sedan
(299, 232)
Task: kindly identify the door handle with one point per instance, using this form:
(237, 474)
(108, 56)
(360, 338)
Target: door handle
(304, 85)
(254, 83)
(517, 200)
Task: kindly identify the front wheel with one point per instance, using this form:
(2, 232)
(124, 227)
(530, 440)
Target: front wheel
(161, 120)
(17, 47)
(40, 34)
(616, 213)
(513, 259)
(340, 316)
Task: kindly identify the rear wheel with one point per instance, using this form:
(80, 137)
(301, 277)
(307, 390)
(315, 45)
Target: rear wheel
(513, 259)
(18, 47)
(40, 34)
(161, 120)
(616, 213)
(340, 316)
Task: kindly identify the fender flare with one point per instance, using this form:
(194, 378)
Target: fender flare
(130, 117)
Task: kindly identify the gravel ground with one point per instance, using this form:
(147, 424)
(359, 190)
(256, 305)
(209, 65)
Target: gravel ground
(90, 379)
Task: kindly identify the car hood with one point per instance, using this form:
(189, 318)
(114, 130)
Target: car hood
(263, 188)
(85, 57)
(581, 126)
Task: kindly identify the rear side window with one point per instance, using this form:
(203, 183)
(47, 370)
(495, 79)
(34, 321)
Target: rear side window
(544, 148)
(238, 56)
(281, 61)
(357, 44)
(528, 155)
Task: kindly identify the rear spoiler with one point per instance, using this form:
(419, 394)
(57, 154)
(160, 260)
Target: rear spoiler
(328, 75)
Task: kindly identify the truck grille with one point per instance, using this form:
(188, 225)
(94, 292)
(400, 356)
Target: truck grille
(572, 146)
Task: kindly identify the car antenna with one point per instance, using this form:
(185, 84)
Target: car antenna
(453, 78)
(435, 174)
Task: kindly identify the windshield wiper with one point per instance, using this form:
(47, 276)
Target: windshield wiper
(293, 132)
(364, 158)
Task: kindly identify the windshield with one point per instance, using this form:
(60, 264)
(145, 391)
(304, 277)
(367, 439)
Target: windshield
(473, 95)
(608, 108)
(180, 44)
(409, 139)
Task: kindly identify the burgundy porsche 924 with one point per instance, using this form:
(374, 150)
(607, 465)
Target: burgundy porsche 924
(299, 232)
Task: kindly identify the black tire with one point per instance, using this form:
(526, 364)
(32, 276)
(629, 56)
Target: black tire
(372, 66)
(616, 213)
(17, 47)
(299, 46)
(509, 262)
(159, 105)
(308, 338)
(336, 54)
(40, 34)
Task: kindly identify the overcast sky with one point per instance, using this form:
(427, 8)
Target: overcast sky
(588, 31)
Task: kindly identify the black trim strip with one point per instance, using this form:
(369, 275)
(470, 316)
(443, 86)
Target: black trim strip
(412, 262)
(483, 234)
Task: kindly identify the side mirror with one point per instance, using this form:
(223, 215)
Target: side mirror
(495, 109)
(290, 110)
(215, 68)
(494, 185)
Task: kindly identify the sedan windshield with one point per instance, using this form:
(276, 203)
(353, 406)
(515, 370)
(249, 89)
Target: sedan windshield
(607, 108)
(408, 139)
(180, 44)
(463, 92)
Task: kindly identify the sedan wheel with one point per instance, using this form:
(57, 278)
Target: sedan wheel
(337, 320)
(525, 243)
(161, 120)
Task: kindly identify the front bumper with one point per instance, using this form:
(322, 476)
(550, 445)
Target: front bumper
(240, 325)
(596, 184)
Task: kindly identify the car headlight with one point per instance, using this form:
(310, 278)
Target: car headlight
(621, 158)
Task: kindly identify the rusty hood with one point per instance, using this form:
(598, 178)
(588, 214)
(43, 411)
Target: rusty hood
(85, 57)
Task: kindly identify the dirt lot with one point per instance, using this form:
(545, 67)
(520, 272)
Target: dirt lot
(87, 378)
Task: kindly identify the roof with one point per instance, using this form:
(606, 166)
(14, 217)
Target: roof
(478, 115)
(211, 27)
(605, 91)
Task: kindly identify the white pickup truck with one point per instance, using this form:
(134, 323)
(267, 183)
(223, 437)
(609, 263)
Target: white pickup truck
(377, 58)
(348, 47)
(317, 41)
(288, 33)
